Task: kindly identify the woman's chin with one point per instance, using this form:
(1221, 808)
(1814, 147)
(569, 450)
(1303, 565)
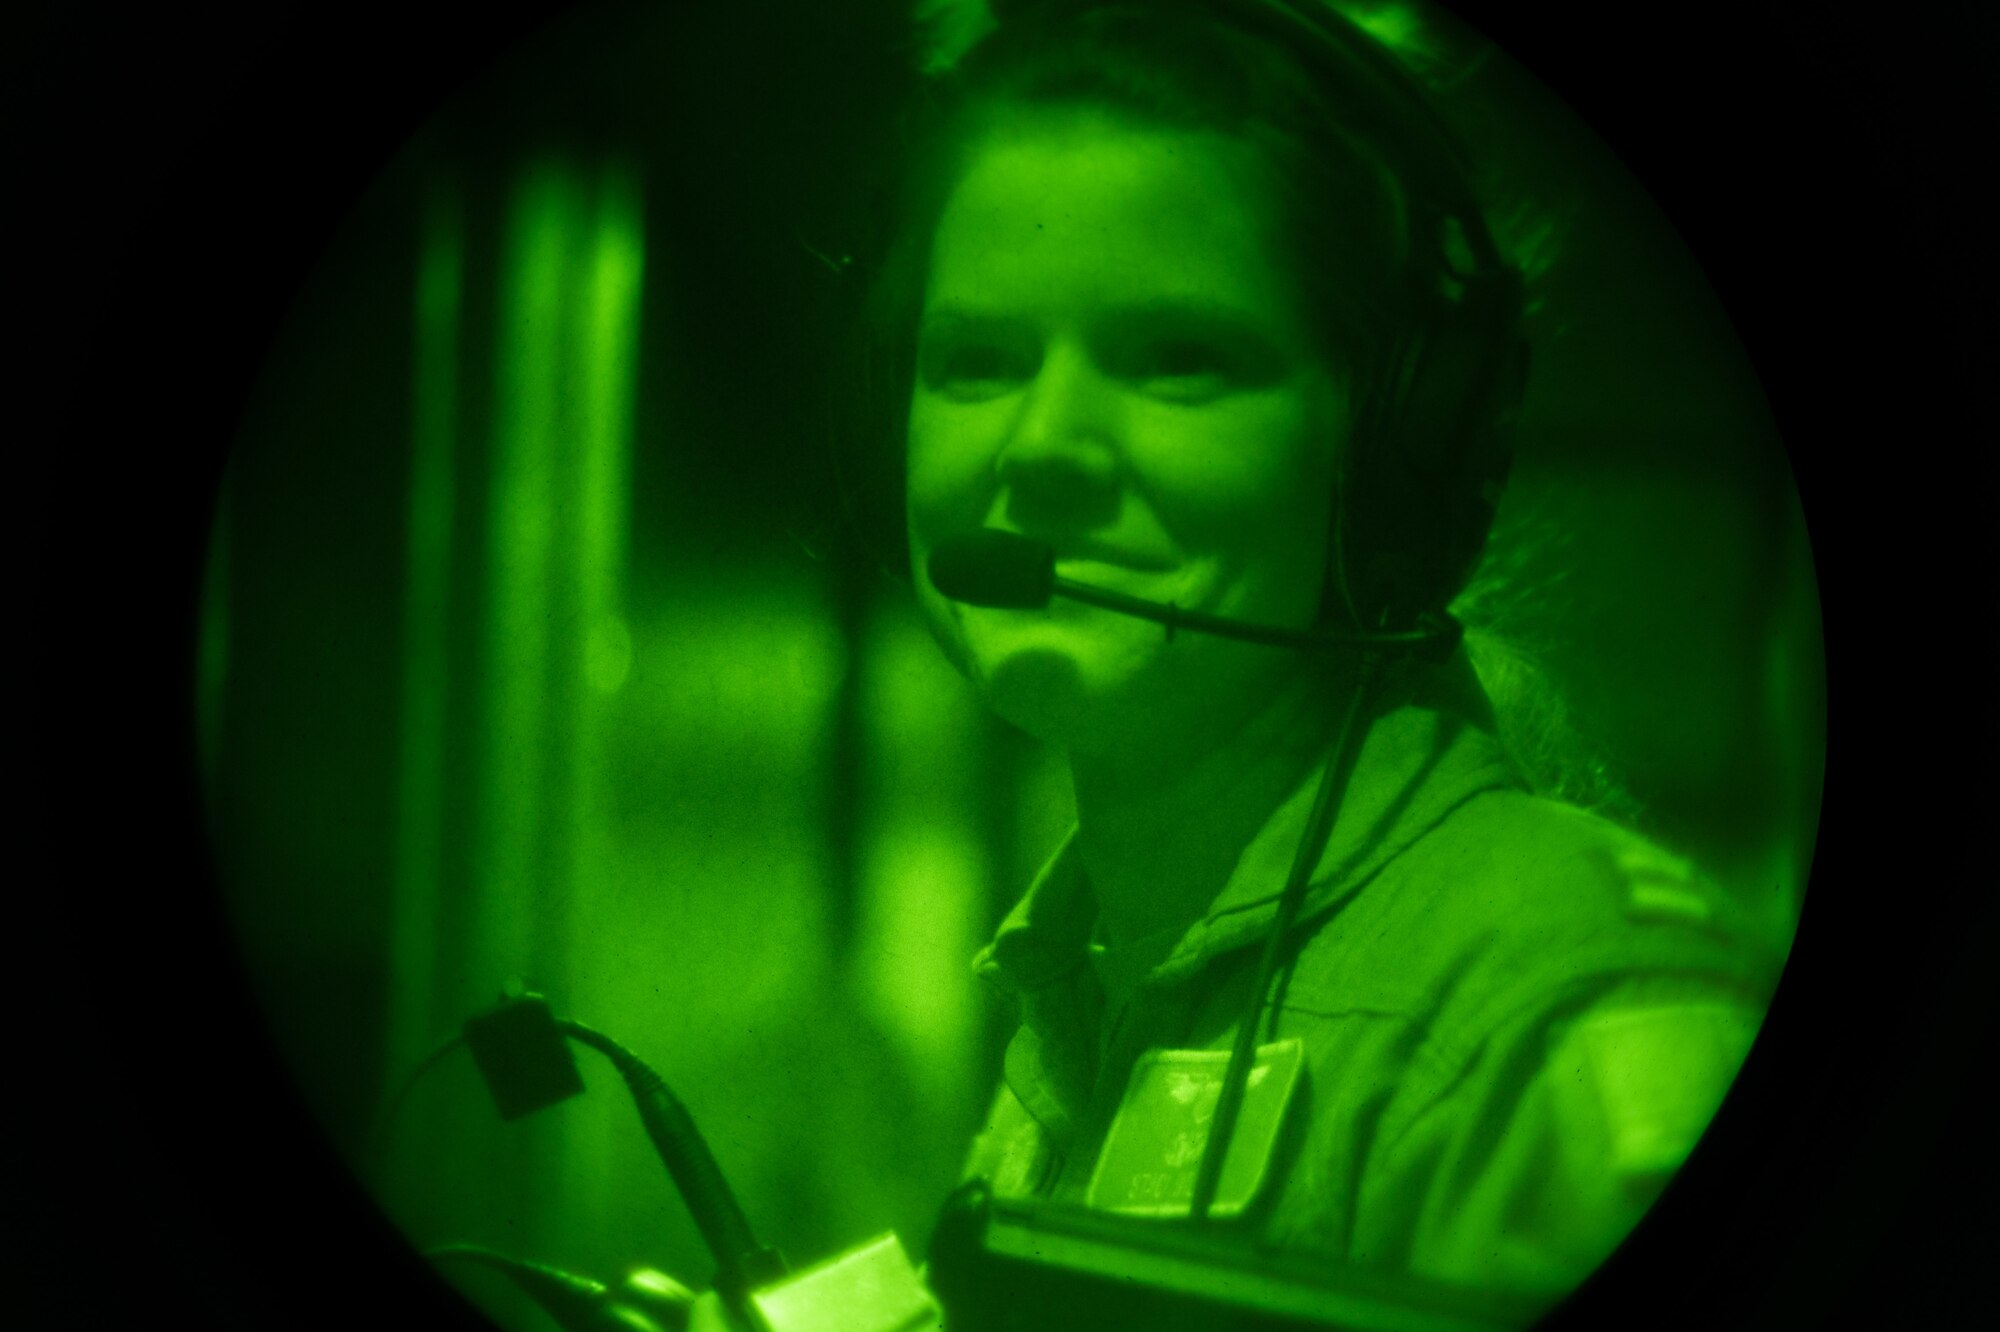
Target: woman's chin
(1080, 702)
(1097, 684)
(1041, 691)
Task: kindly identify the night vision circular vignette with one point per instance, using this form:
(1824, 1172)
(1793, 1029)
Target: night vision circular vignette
(557, 709)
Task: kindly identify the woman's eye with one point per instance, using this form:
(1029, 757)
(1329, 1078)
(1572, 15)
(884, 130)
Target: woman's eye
(1182, 370)
(974, 372)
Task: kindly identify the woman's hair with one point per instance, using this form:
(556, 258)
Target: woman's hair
(1515, 610)
(1369, 223)
(1366, 221)
(1401, 283)
(1343, 208)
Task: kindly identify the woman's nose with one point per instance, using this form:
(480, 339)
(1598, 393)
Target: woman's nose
(1059, 464)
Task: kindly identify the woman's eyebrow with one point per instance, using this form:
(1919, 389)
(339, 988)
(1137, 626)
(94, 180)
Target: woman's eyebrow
(1246, 332)
(1193, 313)
(958, 318)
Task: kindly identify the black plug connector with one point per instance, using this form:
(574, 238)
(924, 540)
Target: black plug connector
(523, 1054)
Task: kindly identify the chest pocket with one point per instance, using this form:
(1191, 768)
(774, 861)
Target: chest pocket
(1153, 1149)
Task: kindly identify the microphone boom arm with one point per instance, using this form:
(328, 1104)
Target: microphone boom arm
(1176, 619)
(1004, 570)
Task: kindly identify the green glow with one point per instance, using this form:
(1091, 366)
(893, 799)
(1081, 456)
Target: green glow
(924, 873)
(608, 339)
(1397, 26)
(730, 707)
(744, 658)
(700, 922)
(531, 424)
(604, 339)
(619, 736)
(545, 492)
(413, 940)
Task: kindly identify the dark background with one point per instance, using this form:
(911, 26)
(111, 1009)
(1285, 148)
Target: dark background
(1818, 161)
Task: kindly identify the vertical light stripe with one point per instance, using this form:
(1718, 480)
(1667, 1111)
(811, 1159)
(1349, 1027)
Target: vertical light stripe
(608, 340)
(418, 888)
(520, 550)
(604, 340)
(599, 379)
(923, 868)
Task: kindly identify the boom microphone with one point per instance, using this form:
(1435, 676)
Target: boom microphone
(1008, 571)
(990, 567)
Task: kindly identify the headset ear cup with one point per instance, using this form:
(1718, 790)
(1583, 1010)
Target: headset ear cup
(1426, 471)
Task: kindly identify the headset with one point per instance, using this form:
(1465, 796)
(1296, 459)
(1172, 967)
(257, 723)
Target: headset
(1416, 492)
(1414, 500)
(1429, 458)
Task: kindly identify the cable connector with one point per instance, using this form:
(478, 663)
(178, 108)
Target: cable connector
(523, 1054)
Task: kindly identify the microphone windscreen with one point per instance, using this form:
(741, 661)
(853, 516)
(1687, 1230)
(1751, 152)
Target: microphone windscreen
(994, 568)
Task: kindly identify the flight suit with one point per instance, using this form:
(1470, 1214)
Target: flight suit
(1510, 1021)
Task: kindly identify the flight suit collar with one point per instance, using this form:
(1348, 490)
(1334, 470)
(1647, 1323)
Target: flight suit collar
(1416, 766)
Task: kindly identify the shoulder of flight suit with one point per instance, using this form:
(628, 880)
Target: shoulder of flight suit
(1509, 902)
(1590, 1000)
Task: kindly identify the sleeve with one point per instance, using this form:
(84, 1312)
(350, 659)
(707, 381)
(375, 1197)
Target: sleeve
(1560, 1134)
(1011, 1153)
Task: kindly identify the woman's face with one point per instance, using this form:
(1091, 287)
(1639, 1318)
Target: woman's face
(1112, 359)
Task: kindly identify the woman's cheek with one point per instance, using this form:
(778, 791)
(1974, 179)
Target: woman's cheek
(944, 471)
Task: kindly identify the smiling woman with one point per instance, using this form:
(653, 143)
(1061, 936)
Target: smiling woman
(1110, 361)
(1198, 298)
(1335, 970)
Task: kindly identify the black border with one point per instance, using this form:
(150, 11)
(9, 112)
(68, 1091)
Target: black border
(1819, 160)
